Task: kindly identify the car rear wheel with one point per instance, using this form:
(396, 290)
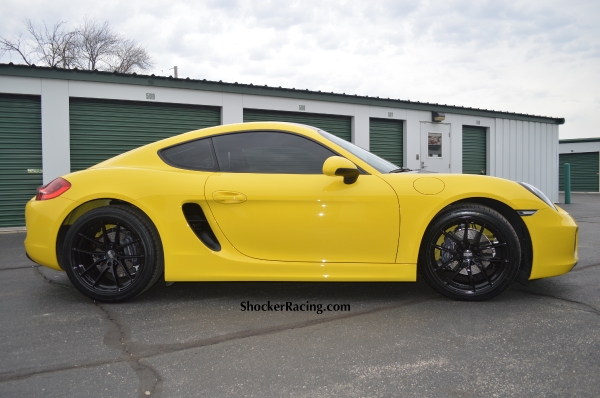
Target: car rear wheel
(470, 252)
(112, 253)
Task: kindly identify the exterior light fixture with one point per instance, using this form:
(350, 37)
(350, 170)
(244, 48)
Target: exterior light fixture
(437, 116)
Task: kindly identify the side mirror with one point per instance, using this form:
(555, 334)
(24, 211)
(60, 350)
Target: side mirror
(342, 167)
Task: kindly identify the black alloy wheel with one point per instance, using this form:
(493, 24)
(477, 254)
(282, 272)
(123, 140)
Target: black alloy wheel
(470, 252)
(112, 253)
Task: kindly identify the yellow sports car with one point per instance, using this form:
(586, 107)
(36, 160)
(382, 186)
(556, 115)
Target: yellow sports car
(273, 201)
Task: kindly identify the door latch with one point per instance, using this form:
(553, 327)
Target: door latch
(229, 197)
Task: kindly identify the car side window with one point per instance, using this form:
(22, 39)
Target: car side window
(192, 155)
(269, 152)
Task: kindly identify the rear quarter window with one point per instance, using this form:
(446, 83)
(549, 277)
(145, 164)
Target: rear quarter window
(193, 155)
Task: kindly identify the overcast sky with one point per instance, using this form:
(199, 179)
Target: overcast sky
(527, 56)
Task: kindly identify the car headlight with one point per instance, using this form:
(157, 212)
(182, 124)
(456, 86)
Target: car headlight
(539, 194)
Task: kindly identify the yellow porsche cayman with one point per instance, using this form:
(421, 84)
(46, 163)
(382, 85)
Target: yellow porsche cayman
(287, 202)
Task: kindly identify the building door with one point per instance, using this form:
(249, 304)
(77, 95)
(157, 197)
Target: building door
(474, 150)
(20, 156)
(435, 147)
(386, 140)
(101, 129)
(584, 171)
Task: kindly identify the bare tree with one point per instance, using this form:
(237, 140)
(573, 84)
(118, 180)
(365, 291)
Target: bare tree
(130, 56)
(97, 44)
(15, 45)
(89, 46)
(54, 47)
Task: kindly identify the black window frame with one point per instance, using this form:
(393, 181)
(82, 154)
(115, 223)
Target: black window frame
(216, 160)
(212, 151)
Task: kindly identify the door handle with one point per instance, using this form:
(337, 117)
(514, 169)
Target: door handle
(229, 197)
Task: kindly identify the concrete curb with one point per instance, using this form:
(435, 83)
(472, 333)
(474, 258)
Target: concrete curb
(12, 230)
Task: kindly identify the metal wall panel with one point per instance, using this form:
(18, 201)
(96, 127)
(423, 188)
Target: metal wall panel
(530, 177)
(555, 150)
(20, 156)
(340, 126)
(512, 148)
(101, 129)
(525, 151)
(584, 171)
(545, 166)
(520, 169)
(474, 150)
(386, 139)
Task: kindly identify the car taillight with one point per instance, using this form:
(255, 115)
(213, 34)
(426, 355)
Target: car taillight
(53, 189)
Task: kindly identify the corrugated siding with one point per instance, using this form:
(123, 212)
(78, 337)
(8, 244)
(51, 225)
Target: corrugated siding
(340, 126)
(474, 151)
(386, 139)
(101, 129)
(525, 151)
(20, 149)
(584, 171)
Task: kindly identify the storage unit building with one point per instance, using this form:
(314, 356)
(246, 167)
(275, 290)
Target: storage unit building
(85, 117)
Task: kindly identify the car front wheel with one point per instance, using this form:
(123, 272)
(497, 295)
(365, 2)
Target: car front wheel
(470, 252)
(112, 253)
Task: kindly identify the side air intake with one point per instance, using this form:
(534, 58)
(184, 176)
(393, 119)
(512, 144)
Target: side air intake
(197, 221)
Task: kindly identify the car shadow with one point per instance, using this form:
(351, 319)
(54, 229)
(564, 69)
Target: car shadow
(287, 291)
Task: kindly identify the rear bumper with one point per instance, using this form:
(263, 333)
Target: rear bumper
(43, 220)
(29, 257)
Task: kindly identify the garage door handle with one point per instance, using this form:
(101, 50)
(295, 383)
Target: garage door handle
(229, 197)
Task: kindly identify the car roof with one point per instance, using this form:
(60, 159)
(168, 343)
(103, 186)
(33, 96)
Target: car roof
(147, 155)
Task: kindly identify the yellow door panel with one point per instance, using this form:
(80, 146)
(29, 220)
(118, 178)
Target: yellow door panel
(307, 217)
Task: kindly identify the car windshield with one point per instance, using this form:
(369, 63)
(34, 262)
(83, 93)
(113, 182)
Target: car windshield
(382, 165)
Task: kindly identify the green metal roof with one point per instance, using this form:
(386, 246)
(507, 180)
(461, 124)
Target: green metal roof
(572, 140)
(238, 88)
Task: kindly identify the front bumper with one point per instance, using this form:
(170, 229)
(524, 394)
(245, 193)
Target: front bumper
(554, 237)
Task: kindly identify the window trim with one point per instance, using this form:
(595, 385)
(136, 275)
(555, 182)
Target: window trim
(212, 151)
(214, 154)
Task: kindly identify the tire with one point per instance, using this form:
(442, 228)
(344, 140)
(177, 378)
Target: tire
(474, 266)
(113, 253)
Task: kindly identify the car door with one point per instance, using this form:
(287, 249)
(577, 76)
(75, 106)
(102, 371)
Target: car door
(272, 202)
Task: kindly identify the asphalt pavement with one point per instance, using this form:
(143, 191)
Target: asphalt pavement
(397, 339)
